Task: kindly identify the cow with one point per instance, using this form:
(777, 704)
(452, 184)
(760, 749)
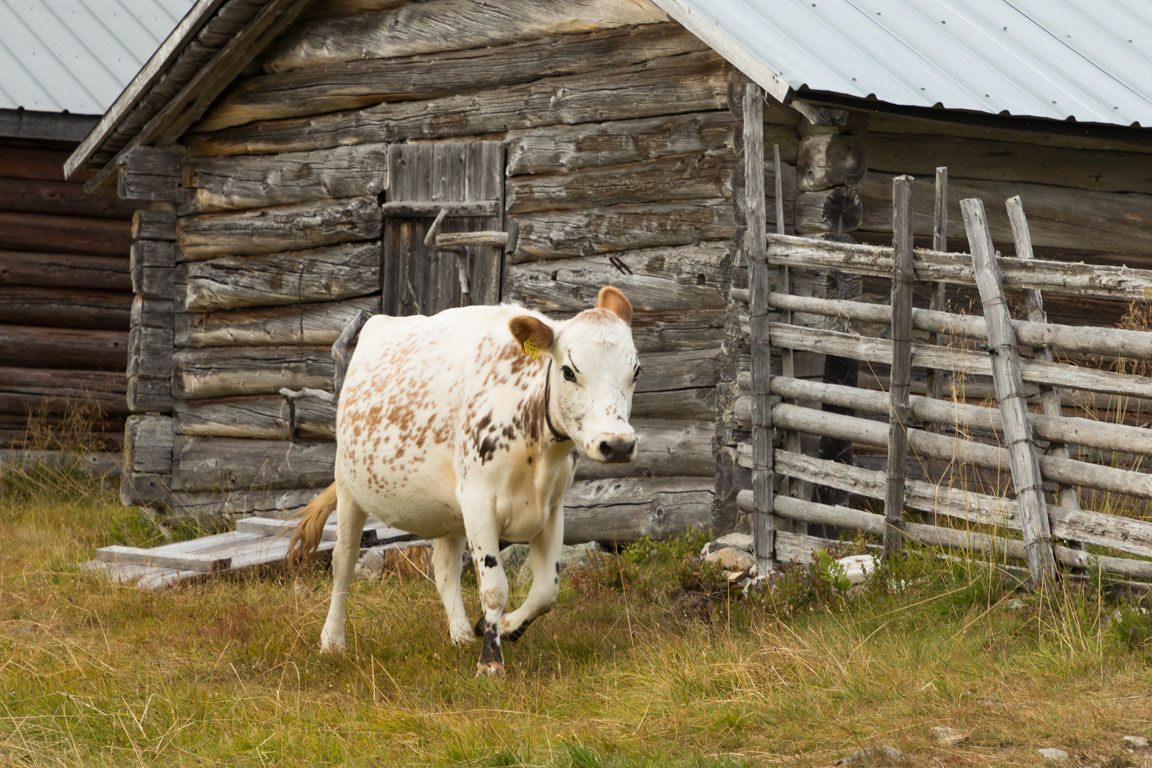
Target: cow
(464, 428)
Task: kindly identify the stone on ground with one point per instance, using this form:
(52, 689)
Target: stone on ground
(870, 756)
(1054, 755)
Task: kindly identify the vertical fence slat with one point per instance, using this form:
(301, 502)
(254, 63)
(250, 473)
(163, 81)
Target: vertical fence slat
(1009, 391)
(939, 243)
(757, 247)
(903, 276)
(1034, 308)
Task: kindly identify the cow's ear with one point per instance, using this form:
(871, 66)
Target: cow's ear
(533, 334)
(615, 302)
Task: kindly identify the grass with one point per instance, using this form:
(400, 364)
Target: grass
(646, 661)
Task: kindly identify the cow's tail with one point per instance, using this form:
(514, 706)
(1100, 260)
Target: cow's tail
(310, 529)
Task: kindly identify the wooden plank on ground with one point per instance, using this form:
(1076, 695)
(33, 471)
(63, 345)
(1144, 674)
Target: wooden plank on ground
(188, 561)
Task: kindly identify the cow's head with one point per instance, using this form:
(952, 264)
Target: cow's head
(592, 375)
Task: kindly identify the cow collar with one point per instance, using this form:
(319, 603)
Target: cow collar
(557, 435)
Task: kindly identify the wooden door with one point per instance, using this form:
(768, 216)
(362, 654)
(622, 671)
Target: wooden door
(468, 180)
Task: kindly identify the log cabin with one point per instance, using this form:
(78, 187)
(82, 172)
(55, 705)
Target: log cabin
(65, 290)
(288, 158)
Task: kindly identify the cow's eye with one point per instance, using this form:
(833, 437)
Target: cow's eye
(636, 375)
(568, 373)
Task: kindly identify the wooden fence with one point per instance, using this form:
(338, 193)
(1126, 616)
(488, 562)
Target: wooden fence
(999, 435)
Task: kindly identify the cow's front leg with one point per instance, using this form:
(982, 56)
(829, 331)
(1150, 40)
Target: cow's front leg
(484, 534)
(447, 562)
(544, 554)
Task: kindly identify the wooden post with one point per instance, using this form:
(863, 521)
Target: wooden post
(763, 529)
(903, 275)
(1009, 391)
(939, 243)
(1034, 310)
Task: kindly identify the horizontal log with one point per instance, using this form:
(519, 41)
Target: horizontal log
(68, 308)
(97, 464)
(962, 361)
(327, 9)
(60, 198)
(1062, 429)
(20, 440)
(64, 234)
(149, 395)
(152, 313)
(420, 28)
(1087, 340)
(566, 148)
(152, 263)
(665, 372)
(265, 416)
(688, 83)
(148, 444)
(22, 162)
(367, 81)
(949, 448)
(1060, 217)
(664, 179)
(230, 371)
(63, 270)
(313, 323)
(1012, 160)
(216, 504)
(280, 228)
(688, 403)
(150, 352)
(430, 210)
(216, 184)
(319, 274)
(562, 234)
(34, 347)
(23, 390)
(1057, 277)
(658, 279)
(667, 448)
(210, 463)
(627, 509)
(678, 330)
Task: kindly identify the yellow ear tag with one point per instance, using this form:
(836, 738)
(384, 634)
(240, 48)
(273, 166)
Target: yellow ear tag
(530, 349)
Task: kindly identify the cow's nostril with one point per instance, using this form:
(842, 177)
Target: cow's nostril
(627, 448)
(606, 449)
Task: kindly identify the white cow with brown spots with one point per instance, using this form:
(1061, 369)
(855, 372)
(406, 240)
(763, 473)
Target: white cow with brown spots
(463, 427)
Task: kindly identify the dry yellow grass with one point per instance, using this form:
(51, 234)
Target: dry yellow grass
(629, 669)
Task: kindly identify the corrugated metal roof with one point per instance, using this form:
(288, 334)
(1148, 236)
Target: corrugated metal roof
(1062, 59)
(77, 55)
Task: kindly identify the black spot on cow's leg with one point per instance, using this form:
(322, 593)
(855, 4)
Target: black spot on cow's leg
(513, 637)
(557, 567)
(490, 561)
(491, 657)
(478, 627)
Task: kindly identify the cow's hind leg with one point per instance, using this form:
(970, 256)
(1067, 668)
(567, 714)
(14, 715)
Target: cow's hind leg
(483, 533)
(447, 563)
(349, 530)
(544, 554)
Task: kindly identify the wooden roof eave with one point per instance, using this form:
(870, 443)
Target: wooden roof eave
(259, 25)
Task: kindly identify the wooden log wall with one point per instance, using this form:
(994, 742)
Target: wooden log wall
(65, 300)
(621, 168)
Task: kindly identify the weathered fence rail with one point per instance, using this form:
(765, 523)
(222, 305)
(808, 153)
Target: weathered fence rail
(942, 444)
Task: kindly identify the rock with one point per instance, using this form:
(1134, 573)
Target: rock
(732, 559)
(1054, 755)
(401, 558)
(571, 556)
(947, 736)
(1135, 742)
(857, 568)
(513, 557)
(1015, 605)
(873, 756)
(741, 541)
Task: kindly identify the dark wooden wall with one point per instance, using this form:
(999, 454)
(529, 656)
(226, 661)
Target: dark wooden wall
(65, 296)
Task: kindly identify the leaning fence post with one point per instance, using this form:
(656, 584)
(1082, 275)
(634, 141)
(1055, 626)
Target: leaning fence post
(939, 243)
(1034, 307)
(763, 529)
(903, 275)
(1010, 392)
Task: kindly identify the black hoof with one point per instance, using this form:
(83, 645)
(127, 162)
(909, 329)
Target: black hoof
(519, 631)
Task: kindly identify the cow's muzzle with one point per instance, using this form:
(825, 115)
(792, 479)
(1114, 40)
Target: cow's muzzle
(616, 450)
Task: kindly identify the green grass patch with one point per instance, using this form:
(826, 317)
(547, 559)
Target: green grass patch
(647, 660)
